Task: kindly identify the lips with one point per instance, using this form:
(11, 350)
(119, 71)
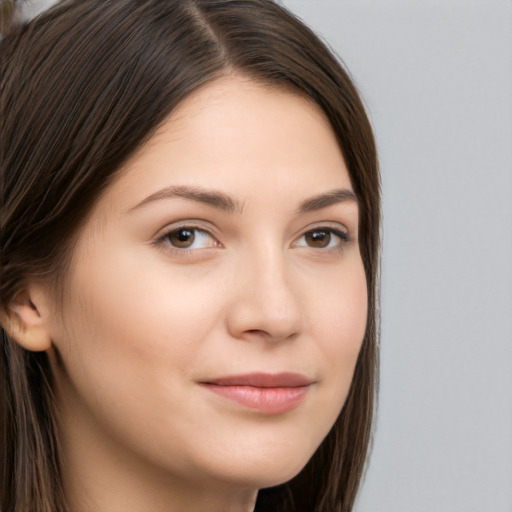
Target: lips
(262, 392)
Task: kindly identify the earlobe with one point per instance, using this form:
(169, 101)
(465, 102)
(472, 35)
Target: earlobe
(25, 321)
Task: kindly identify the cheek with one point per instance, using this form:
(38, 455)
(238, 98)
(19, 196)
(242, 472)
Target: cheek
(135, 303)
(340, 324)
(340, 306)
(128, 332)
(129, 340)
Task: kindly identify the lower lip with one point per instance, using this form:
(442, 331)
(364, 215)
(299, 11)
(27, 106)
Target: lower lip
(263, 400)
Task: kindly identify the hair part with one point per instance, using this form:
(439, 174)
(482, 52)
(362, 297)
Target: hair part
(82, 88)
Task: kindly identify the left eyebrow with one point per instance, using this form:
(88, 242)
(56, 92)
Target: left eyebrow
(324, 200)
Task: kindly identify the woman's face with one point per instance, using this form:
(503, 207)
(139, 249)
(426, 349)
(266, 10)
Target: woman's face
(217, 300)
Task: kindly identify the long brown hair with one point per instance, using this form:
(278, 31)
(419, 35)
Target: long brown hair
(81, 88)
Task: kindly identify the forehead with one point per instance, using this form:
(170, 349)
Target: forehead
(242, 136)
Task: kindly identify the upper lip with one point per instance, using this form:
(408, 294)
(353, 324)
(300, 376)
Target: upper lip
(263, 380)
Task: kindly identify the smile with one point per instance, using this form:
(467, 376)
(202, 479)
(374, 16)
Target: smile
(264, 393)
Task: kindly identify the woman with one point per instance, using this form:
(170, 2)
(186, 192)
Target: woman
(189, 236)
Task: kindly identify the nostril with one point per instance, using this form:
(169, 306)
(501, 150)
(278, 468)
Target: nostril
(258, 332)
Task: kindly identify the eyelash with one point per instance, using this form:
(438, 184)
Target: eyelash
(164, 238)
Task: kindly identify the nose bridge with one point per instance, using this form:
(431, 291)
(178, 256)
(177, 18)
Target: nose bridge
(267, 301)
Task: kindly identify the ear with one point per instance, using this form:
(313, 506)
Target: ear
(25, 320)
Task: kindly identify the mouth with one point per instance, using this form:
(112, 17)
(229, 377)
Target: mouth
(263, 392)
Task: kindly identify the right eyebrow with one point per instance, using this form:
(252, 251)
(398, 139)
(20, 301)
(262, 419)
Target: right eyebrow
(215, 198)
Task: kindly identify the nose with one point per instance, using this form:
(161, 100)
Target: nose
(266, 303)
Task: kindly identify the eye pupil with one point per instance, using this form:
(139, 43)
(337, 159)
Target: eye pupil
(318, 238)
(182, 237)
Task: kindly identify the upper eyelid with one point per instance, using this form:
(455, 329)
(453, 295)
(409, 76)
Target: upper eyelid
(328, 226)
(189, 223)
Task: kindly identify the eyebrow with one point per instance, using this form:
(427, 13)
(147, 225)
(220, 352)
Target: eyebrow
(327, 199)
(214, 198)
(225, 202)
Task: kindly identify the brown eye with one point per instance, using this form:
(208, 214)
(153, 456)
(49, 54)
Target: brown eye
(323, 238)
(319, 239)
(182, 238)
(189, 238)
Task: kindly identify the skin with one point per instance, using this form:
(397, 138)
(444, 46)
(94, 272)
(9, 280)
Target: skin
(146, 322)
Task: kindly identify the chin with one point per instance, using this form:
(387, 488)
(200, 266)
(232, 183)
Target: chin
(259, 472)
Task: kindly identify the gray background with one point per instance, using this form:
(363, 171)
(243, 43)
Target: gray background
(437, 80)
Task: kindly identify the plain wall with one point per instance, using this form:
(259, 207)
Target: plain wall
(437, 80)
